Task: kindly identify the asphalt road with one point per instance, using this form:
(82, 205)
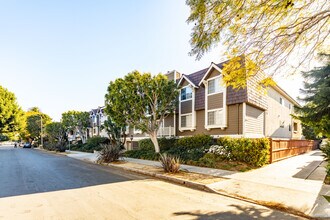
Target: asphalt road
(27, 171)
(39, 185)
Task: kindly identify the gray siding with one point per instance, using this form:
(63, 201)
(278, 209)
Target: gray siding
(234, 123)
(215, 101)
(186, 107)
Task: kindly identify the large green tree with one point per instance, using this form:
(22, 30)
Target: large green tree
(36, 122)
(76, 120)
(316, 112)
(141, 101)
(56, 132)
(117, 134)
(11, 115)
(269, 33)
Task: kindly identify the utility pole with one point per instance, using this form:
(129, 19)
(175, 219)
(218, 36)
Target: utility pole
(42, 142)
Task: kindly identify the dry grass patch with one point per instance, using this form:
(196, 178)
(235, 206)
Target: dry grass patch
(195, 177)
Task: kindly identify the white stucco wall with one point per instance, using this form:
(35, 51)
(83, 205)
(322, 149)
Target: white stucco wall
(277, 114)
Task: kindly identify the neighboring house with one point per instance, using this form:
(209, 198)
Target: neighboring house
(207, 106)
(97, 117)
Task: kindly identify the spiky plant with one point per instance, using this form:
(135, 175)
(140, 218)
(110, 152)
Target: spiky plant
(109, 153)
(169, 163)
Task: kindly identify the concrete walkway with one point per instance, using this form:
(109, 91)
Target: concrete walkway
(295, 183)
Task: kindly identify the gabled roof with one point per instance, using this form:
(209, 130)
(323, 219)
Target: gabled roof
(188, 80)
(212, 66)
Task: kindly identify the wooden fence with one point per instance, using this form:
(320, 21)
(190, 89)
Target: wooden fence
(281, 149)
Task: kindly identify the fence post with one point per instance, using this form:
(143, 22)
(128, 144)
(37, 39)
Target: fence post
(270, 150)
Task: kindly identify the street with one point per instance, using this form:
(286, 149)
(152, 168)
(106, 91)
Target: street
(40, 185)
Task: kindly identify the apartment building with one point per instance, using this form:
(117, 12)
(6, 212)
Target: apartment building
(207, 106)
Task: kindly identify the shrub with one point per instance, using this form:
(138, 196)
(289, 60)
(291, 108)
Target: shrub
(109, 153)
(326, 149)
(220, 151)
(164, 144)
(196, 141)
(146, 144)
(94, 143)
(77, 147)
(187, 154)
(142, 154)
(169, 163)
(49, 146)
(251, 151)
(60, 147)
(208, 160)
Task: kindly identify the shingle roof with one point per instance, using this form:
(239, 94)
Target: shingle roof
(196, 77)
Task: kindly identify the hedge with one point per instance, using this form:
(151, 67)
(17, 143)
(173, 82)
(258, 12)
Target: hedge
(164, 144)
(254, 152)
(93, 143)
(251, 151)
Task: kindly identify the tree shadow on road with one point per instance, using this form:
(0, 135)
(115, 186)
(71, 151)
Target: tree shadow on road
(24, 172)
(239, 212)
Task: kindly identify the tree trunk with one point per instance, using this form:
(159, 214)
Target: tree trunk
(82, 135)
(153, 137)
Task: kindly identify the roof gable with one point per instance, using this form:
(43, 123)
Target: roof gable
(184, 77)
(209, 70)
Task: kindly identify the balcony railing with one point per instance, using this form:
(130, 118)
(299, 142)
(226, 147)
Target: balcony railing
(166, 132)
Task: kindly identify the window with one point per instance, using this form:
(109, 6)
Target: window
(215, 117)
(186, 93)
(137, 131)
(289, 106)
(127, 130)
(214, 86)
(295, 127)
(290, 127)
(281, 101)
(186, 121)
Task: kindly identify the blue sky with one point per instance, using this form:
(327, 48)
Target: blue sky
(60, 55)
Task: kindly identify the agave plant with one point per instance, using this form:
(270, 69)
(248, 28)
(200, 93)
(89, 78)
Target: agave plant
(109, 153)
(170, 163)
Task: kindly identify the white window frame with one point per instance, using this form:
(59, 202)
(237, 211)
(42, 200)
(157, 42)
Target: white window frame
(215, 92)
(224, 104)
(192, 91)
(193, 112)
(221, 119)
(187, 127)
(137, 131)
(293, 129)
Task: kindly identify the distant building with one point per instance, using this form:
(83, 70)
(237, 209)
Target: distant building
(97, 118)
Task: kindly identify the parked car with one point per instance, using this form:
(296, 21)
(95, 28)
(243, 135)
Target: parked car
(27, 145)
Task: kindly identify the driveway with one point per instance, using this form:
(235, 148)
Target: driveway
(39, 185)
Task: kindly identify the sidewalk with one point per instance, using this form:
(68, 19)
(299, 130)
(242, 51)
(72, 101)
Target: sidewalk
(295, 183)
